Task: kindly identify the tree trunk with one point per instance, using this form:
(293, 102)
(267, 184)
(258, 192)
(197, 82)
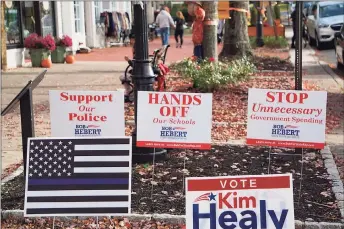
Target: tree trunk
(274, 22)
(270, 14)
(3, 37)
(210, 30)
(236, 41)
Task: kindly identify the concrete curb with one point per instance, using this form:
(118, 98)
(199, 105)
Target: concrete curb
(337, 184)
(174, 219)
(16, 173)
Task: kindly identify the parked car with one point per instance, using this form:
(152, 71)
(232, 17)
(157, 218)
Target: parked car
(339, 48)
(324, 19)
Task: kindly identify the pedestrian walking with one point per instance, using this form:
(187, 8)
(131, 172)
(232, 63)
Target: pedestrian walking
(293, 18)
(179, 31)
(164, 21)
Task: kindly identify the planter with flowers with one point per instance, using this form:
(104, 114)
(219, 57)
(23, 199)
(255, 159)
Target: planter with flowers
(59, 54)
(40, 49)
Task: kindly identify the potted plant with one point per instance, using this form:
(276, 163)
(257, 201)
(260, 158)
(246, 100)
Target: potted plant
(59, 54)
(39, 48)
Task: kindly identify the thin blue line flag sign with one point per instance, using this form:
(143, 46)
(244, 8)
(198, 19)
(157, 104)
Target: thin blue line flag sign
(78, 177)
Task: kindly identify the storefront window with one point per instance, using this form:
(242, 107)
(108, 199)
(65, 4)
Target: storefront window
(12, 23)
(77, 16)
(97, 11)
(28, 19)
(47, 18)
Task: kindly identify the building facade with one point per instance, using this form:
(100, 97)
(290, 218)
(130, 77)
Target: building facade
(78, 19)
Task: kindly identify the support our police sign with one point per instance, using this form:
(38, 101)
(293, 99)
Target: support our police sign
(286, 118)
(247, 202)
(86, 113)
(174, 120)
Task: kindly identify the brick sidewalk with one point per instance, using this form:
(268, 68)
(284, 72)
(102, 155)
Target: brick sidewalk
(118, 53)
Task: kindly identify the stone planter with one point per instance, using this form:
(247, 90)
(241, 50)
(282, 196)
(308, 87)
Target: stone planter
(267, 31)
(58, 55)
(37, 55)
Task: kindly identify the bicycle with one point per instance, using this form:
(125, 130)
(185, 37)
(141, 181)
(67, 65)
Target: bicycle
(160, 70)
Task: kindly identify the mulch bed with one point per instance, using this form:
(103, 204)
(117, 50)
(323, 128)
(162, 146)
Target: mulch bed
(272, 63)
(280, 53)
(90, 223)
(317, 202)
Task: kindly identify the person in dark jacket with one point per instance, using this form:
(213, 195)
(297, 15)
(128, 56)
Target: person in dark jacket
(179, 32)
(293, 18)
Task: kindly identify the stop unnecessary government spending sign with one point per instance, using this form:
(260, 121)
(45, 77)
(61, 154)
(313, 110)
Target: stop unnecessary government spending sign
(286, 118)
(174, 120)
(250, 202)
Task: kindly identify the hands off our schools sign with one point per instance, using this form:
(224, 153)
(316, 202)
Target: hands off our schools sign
(246, 202)
(86, 113)
(174, 120)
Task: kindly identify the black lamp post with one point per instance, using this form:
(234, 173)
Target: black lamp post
(143, 77)
(298, 52)
(259, 26)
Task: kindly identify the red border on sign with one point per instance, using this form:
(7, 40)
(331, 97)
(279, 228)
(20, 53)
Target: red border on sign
(174, 145)
(285, 144)
(241, 183)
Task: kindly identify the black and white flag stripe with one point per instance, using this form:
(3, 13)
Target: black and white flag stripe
(78, 176)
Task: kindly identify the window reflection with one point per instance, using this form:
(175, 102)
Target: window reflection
(47, 20)
(12, 24)
(29, 18)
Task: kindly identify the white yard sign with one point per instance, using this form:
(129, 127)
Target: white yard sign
(86, 113)
(252, 201)
(286, 118)
(174, 120)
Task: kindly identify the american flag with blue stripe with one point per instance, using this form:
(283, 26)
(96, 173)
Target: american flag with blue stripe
(78, 176)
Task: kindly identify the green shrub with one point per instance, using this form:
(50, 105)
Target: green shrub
(208, 75)
(271, 42)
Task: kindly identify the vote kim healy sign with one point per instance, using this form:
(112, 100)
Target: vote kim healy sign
(260, 202)
(86, 113)
(174, 120)
(286, 118)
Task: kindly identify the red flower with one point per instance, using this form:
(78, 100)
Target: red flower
(198, 67)
(66, 41)
(48, 42)
(211, 59)
(194, 58)
(33, 41)
(30, 41)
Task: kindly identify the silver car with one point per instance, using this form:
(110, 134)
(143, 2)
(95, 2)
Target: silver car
(324, 19)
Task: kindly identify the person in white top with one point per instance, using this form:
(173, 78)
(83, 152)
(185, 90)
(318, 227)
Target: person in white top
(164, 21)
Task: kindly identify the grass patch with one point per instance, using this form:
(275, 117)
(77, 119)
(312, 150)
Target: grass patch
(271, 42)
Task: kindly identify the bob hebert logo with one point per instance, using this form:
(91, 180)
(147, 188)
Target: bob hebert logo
(242, 205)
(287, 131)
(87, 130)
(173, 132)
